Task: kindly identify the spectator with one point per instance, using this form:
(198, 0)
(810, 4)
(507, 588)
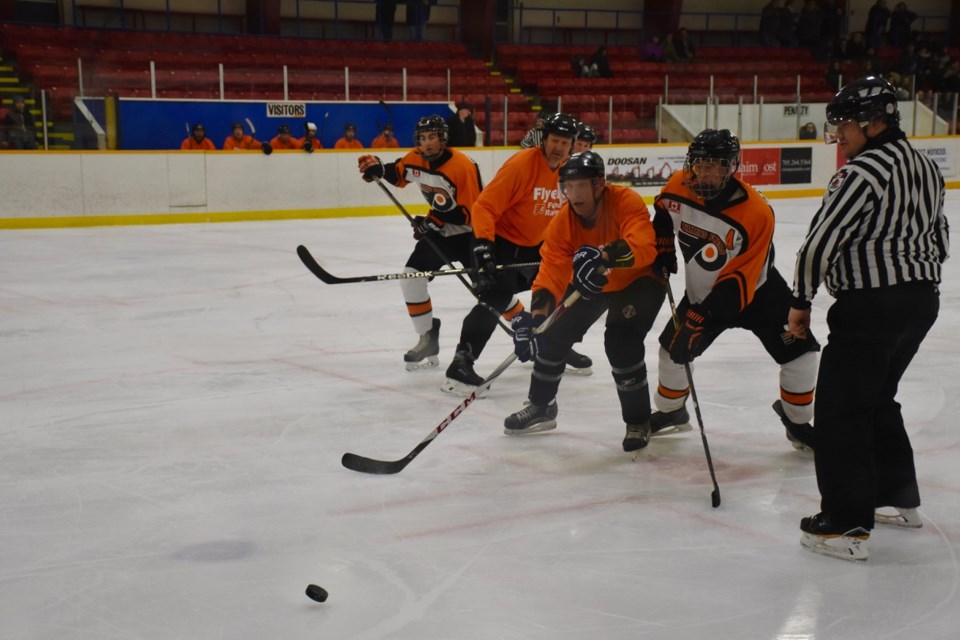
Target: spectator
(808, 131)
(670, 49)
(834, 76)
(684, 46)
(310, 142)
(856, 46)
(907, 64)
(601, 63)
(787, 25)
(198, 140)
(841, 50)
(809, 24)
(900, 20)
(283, 139)
(418, 14)
(870, 64)
(832, 27)
(770, 23)
(653, 50)
(239, 141)
(580, 68)
(385, 140)
(386, 14)
(349, 139)
(877, 24)
(898, 84)
(463, 130)
(20, 126)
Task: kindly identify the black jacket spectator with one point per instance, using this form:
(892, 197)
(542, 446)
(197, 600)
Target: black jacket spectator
(600, 60)
(19, 126)
(877, 24)
(900, 21)
(808, 25)
(684, 46)
(463, 130)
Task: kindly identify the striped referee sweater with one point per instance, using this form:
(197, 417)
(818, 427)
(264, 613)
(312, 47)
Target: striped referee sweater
(881, 223)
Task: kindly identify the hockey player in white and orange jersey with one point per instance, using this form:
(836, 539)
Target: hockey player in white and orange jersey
(725, 230)
(590, 232)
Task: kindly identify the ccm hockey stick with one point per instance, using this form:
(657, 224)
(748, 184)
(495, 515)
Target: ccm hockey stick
(363, 464)
(317, 270)
(715, 495)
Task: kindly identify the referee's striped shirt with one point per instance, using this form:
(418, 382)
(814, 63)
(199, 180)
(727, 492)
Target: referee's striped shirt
(881, 222)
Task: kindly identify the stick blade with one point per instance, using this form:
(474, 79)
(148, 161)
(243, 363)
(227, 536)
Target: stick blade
(310, 263)
(715, 498)
(363, 464)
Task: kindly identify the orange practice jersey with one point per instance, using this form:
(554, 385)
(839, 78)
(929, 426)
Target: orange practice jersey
(291, 143)
(450, 186)
(343, 143)
(520, 201)
(243, 144)
(382, 142)
(314, 141)
(191, 144)
(726, 252)
(621, 214)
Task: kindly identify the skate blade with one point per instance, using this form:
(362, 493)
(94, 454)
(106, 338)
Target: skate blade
(573, 371)
(672, 429)
(428, 363)
(540, 427)
(906, 518)
(840, 547)
(453, 387)
(799, 446)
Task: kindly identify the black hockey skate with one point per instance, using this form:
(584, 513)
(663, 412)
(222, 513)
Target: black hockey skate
(462, 380)
(579, 364)
(822, 535)
(638, 436)
(799, 435)
(424, 354)
(533, 418)
(666, 422)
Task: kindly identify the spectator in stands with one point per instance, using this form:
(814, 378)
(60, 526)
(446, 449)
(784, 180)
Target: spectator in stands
(900, 20)
(386, 14)
(385, 140)
(601, 63)
(808, 25)
(198, 140)
(877, 24)
(899, 85)
(841, 50)
(787, 25)
(239, 141)
(834, 76)
(926, 67)
(462, 128)
(418, 14)
(20, 127)
(684, 46)
(283, 139)
(832, 27)
(581, 69)
(310, 142)
(870, 64)
(670, 48)
(653, 50)
(856, 46)
(808, 131)
(770, 23)
(349, 139)
(907, 64)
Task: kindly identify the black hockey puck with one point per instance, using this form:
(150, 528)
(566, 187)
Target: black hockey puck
(317, 593)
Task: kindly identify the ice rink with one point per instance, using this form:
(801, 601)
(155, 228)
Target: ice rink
(175, 402)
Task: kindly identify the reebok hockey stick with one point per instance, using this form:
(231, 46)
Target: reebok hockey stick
(715, 496)
(363, 464)
(317, 270)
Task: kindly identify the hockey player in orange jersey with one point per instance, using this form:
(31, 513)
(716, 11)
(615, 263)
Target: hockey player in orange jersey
(509, 221)
(586, 234)
(725, 230)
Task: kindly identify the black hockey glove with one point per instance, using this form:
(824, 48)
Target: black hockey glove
(619, 254)
(266, 148)
(524, 338)
(308, 146)
(485, 263)
(426, 225)
(666, 260)
(687, 342)
(587, 277)
(370, 167)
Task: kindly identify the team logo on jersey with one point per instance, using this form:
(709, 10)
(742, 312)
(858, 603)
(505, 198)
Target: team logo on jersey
(709, 250)
(837, 180)
(439, 198)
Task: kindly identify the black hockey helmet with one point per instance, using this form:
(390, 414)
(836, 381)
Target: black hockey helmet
(585, 165)
(433, 123)
(586, 132)
(236, 125)
(561, 124)
(711, 147)
(283, 129)
(199, 127)
(864, 100)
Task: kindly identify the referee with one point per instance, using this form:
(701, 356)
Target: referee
(877, 243)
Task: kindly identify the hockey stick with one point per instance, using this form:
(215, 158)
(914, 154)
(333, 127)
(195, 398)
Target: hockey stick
(363, 464)
(310, 262)
(715, 495)
(253, 129)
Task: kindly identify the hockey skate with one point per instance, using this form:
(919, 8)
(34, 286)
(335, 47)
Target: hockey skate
(822, 536)
(898, 517)
(799, 435)
(533, 418)
(462, 380)
(638, 436)
(666, 422)
(424, 354)
(579, 364)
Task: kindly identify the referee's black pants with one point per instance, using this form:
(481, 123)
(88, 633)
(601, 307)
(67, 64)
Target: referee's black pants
(863, 455)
